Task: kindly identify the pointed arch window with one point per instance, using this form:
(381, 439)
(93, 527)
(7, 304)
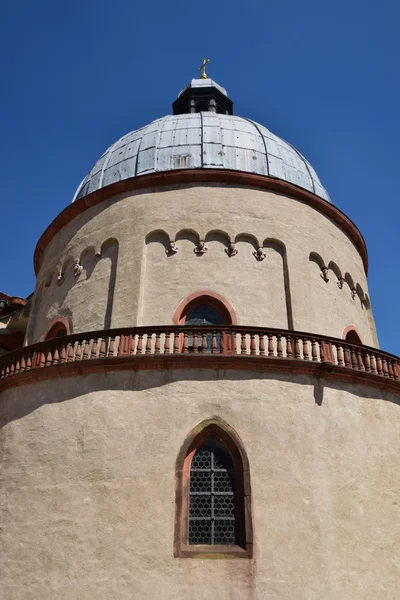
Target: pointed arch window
(213, 496)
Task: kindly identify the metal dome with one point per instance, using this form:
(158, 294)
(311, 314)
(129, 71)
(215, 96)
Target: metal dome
(204, 140)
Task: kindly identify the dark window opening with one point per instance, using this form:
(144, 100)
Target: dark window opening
(204, 314)
(353, 337)
(201, 107)
(57, 330)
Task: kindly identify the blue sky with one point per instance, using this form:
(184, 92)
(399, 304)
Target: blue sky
(77, 75)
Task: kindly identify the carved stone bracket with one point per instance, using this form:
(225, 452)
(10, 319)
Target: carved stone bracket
(60, 277)
(340, 282)
(172, 248)
(78, 268)
(353, 293)
(201, 248)
(231, 250)
(259, 254)
(324, 274)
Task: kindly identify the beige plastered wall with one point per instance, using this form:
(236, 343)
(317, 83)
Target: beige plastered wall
(148, 285)
(87, 480)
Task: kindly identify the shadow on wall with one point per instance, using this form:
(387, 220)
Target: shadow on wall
(52, 292)
(16, 405)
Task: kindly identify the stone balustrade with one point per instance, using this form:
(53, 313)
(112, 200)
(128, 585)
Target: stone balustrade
(131, 344)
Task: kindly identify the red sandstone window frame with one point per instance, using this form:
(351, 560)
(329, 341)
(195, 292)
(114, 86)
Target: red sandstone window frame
(348, 330)
(216, 301)
(58, 326)
(225, 434)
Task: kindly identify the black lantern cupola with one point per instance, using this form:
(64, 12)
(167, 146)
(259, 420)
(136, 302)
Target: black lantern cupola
(203, 95)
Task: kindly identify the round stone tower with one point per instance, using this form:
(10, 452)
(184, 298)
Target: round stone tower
(200, 379)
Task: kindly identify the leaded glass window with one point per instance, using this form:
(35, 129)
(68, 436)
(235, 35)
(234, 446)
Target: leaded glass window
(212, 495)
(204, 315)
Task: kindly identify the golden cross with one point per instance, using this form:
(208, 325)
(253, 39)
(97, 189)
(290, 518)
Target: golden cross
(203, 68)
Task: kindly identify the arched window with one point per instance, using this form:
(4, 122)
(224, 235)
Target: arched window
(58, 328)
(213, 508)
(203, 314)
(212, 497)
(205, 308)
(353, 337)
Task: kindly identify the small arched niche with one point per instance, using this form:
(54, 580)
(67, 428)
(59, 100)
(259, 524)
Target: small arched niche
(213, 494)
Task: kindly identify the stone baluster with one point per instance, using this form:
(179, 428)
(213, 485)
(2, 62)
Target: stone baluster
(306, 354)
(176, 343)
(185, 343)
(149, 342)
(243, 346)
(93, 351)
(279, 345)
(340, 355)
(360, 361)
(214, 347)
(270, 345)
(297, 353)
(262, 344)
(86, 350)
(139, 347)
(157, 348)
(314, 354)
(252, 344)
(196, 342)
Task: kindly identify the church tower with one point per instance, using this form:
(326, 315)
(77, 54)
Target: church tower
(200, 408)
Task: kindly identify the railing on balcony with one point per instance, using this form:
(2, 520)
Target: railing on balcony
(200, 340)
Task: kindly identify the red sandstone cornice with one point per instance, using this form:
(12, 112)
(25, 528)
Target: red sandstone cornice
(191, 176)
(220, 347)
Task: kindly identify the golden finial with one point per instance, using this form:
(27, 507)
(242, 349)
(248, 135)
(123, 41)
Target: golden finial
(203, 68)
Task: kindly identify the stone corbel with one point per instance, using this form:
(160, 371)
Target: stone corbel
(340, 282)
(324, 274)
(259, 254)
(231, 250)
(201, 248)
(172, 248)
(353, 293)
(78, 268)
(60, 277)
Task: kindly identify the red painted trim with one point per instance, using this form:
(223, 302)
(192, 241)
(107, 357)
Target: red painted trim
(233, 443)
(193, 176)
(58, 324)
(216, 301)
(349, 328)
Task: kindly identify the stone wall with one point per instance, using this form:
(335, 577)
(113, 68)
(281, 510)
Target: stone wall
(137, 282)
(87, 480)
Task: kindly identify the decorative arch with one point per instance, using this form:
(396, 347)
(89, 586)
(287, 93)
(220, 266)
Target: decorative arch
(216, 301)
(350, 334)
(332, 266)
(248, 238)
(60, 326)
(227, 438)
(317, 258)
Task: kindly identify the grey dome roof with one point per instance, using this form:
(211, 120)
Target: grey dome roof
(204, 140)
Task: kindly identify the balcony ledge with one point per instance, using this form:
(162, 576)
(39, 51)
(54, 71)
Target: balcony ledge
(201, 347)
